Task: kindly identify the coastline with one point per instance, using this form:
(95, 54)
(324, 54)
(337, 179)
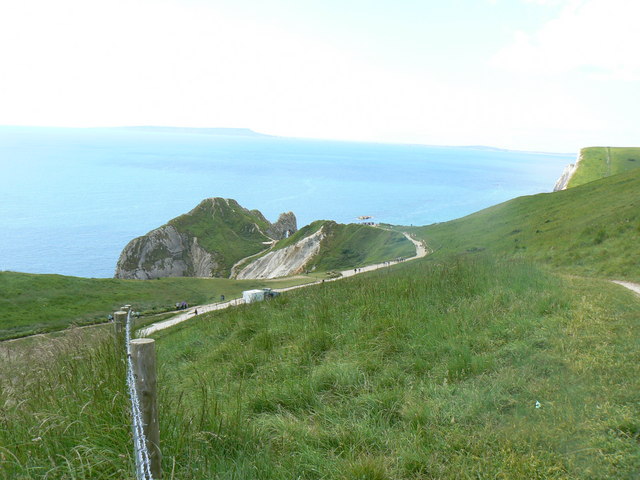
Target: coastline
(568, 172)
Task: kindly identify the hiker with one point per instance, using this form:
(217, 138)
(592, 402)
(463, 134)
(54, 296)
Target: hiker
(222, 298)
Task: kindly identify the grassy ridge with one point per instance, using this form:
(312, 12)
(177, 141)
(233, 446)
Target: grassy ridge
(352, 245)
(591, 229)
(225, 228)
(429, 371)
(305, 231)
(601, 162)
(43, 303)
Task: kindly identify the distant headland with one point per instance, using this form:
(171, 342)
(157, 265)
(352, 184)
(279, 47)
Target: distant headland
(236, 132)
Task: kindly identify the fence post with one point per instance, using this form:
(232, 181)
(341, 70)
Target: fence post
(143, 358)
(119, 323)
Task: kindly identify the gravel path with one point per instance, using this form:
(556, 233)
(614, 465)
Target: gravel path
(421, 251)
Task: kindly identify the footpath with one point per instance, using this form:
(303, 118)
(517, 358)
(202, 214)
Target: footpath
(634, 287)
(421, 251)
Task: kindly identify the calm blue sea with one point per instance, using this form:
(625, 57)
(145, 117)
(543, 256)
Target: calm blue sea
(71, 199)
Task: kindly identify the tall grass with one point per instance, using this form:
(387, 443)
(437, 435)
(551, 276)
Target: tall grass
(421, 371)
(64, 412)
(432, 371)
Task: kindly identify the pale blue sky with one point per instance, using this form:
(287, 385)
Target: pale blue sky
(552, 75)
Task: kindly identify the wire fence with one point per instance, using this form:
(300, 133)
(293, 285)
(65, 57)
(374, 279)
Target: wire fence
(140, 444)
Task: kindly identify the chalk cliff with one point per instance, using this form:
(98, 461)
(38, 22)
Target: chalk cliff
(287, 261)
(205, 242)
(567, 173)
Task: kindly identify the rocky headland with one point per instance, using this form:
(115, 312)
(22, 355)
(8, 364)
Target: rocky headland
(206, 242)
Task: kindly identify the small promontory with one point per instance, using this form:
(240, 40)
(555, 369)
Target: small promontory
(206, 242)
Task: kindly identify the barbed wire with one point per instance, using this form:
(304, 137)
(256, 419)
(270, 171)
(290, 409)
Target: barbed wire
(141, 450)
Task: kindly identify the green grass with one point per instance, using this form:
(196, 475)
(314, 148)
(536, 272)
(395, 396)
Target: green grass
(426, 371)
(226, 229)
(44, 303)
(420, 371)
(592, 229)
(64, 412)
(353, 245)
(601, 162)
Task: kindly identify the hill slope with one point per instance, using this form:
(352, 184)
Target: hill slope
(423, 371)
(325, 245)
(589, 229)
(31, 303)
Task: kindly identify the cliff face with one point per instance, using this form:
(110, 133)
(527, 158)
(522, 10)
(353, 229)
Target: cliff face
(287, 261)
(165, 252)
(205, 242)
(567, 173)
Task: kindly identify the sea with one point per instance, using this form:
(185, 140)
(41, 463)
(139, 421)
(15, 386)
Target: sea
(72, 198)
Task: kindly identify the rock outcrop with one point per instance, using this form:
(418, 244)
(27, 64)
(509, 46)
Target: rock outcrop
(285, 226)
(165, 252)
(205, 242)
(287, 261)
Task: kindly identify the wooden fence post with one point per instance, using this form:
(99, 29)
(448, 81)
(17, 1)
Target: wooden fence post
(143, 357)
(119, 323)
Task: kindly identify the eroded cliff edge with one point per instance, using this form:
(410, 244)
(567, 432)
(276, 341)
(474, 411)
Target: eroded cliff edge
(205, 242)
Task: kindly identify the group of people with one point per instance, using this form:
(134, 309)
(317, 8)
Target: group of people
(182, 305)
(185, 305)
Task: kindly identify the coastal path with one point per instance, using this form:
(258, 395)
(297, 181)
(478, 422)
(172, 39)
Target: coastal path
(422, 250)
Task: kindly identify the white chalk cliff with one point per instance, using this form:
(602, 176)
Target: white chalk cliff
(567, 173)
(287, 261)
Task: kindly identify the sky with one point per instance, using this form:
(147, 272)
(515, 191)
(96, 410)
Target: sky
(541, 75)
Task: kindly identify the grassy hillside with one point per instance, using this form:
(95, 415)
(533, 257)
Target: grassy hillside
(421, 371)
(428, 371)
(591, 229)
(44, 303)
(353, 245)
(601, 162)
(224, 227)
